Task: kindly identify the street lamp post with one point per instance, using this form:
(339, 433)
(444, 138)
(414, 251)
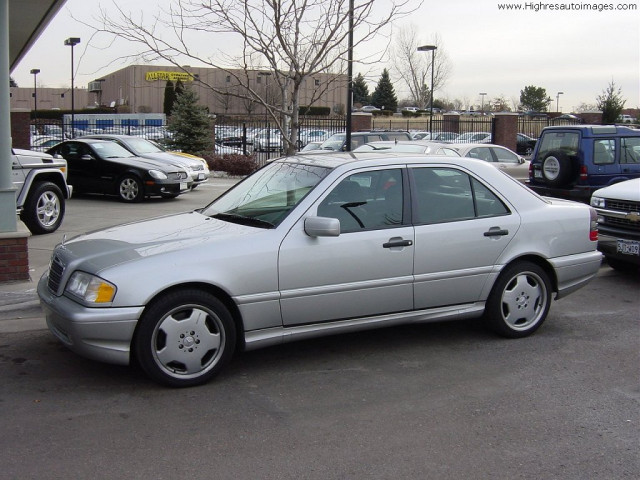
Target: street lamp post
(35, 72)
(72, 42)
(558, 101)
(482, 94)
(432, 49)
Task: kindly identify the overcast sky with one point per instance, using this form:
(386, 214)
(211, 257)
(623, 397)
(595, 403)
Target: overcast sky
(577, 52)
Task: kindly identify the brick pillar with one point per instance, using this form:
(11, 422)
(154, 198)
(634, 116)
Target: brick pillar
(505, 130)
(361, 121)
(14, 255)
(451, 122)
(21, 128)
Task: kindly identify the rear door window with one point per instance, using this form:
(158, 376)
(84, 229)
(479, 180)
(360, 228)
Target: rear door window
(604, 151)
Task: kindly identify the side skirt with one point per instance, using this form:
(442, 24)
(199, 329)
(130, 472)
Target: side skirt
(277, 335)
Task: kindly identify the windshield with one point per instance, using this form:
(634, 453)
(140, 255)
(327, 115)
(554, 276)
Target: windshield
(266, 197)
(111, 150)
(142, 146)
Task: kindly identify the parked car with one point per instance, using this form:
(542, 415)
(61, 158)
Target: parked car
(337, 141)
(626, 119)
(311, 146)
(40, 182)
(436, 136)
(573, 161)
(195, 166)
(369, 108)
(311, 135)
(413, 146)
(103, 166)
(500, 157)
(268, 141)
(525, 144)
(474, 137)
(618, 208)
(313, 245)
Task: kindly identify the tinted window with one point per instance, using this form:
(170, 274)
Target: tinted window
(366, 201)
(604, 151)
(566, 142)
(630, 150)
(446, 195)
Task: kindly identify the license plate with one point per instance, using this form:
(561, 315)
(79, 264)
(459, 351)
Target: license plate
(629, 247)
(537, 173)
(201, 176)
(184, 185)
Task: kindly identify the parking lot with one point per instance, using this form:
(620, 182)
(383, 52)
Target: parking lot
(442, 401)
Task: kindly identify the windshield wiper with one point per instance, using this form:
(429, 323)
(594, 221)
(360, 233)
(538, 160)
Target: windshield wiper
(242, 220)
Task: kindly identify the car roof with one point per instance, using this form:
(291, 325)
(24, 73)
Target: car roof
(462, 146)
(597, 129)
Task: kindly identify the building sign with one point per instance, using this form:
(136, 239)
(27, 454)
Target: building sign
(173, 76)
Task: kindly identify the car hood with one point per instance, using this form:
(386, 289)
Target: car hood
(147, 163)
(120, 244)
(167, 157)
(628, 190)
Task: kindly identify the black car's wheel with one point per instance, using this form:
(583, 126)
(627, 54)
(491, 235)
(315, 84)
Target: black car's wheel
(44, 209)
(519, 301)
(185, 338)
(558, 168)
(130, 189)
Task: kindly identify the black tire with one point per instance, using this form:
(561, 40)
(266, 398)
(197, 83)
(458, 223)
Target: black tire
(519, 301)
(558, 168)
(130, 189)
(184, 338)
(44, 209)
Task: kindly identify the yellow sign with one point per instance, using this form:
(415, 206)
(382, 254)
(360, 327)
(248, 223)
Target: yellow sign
(173, 76)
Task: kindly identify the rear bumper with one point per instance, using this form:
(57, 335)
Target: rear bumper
(577, 193)
(575, 271)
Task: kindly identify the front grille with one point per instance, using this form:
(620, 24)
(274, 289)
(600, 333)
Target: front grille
(622, 206)
(178, 176)
(56, 269)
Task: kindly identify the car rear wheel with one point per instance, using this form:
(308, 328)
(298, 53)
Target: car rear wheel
(185, 338)
(558, 168)
(44, 209)
(519, 301)
(130, 189)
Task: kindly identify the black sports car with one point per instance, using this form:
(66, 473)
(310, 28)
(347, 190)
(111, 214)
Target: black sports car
(101, 166)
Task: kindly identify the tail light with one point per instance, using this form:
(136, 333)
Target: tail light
(583, 172)
(593, 225)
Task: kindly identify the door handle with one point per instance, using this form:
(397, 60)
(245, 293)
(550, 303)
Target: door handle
(496, 232)
(397, 242)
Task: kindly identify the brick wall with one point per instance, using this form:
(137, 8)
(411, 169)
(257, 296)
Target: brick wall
(20, 128)
(14, 259)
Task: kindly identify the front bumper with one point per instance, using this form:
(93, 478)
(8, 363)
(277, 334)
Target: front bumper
(170, 188)
(612, 247)
(102, 334)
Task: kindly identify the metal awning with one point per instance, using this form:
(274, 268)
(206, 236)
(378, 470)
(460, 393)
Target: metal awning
(27, 20)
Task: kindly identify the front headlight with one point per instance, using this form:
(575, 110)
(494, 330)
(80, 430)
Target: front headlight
(597, 202)
(90, 289)
(158, 175)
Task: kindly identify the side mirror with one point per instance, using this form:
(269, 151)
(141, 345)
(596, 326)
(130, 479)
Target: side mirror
(322, 227)
(86, 157)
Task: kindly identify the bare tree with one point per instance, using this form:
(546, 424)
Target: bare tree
(292, 40)
(414, 67)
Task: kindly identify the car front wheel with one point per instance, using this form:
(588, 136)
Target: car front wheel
(130, 189)
(519, 301)
(44, 209)
(185, 338)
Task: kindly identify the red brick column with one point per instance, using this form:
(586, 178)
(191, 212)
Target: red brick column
(361, 121)
(21, 128)
(505, 130)
(14, 256)
(451, 122)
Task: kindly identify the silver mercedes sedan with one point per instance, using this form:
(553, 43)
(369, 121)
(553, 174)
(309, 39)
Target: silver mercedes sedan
(315, 245)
